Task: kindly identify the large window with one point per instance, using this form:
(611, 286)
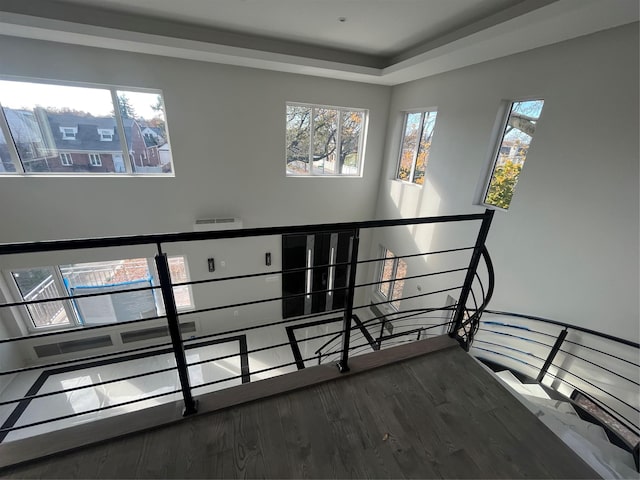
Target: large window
(391, 278)
(104, 130)
(513, 147)
(323, 140)
(416, 145)
(38, 284)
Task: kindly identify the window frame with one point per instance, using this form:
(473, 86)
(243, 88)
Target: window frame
(361, 140)
(425, 113)
(118, 129)
(26, 319)
(66, 159)
(67, 136)
(392, 281)
(104, 133)
(95, 160)
(499, 132)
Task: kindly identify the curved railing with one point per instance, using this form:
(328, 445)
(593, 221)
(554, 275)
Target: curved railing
(409, 325)
(596, 369)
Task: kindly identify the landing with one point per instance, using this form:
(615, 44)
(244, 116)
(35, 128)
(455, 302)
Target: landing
(438, 415)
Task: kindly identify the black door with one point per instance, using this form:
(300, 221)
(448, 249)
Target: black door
(321, 287)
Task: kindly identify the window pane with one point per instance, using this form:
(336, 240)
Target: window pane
(518, 133)
(351, 130)
(386, 274)
(39, 284)
(424, 147)
(179, 274)
(55, 127)
(325, 129)
(409, 145)
(145, 129)
(398, 285)
(297, 138)
(104, 277)
(6, 165)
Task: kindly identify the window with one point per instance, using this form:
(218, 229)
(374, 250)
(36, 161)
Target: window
(68, 133)
(41, 120)
(323, 140)
(98, 277)
(391, 278)
(66, 160)
(106, 135)
(95, 160)
(416, 145)
(511, 152)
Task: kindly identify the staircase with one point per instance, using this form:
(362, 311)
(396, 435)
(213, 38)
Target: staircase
(588, 440)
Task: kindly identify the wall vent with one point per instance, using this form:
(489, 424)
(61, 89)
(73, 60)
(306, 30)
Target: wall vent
(212, 224)
(155, 332)
(72, 346)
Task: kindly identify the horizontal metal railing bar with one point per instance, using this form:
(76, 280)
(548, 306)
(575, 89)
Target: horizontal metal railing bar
(595, 386)
(627, 422)
(561, 378)
(304, 269)
(262, 300)
(518, 327)
(261, 274)
(411, 255)
(255, 327)
(256, 372)
(598, 365)
(510, 348)
(87, 243)
(428, 327)
(83, 359)
(406, 298)
(261, 349)
(371, 320)
(508, 356)
(79, 329)
(603, 353)
(567, 325)
(77, 297)
(86, 412)
(82, 387)
(443, 272)
(515, 336)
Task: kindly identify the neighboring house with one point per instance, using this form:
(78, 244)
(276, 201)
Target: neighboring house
(68, 142)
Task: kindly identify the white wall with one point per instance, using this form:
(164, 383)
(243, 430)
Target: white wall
(227, 137)
(568, 247)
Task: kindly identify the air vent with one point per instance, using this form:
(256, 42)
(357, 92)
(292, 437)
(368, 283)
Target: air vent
(211, 224)
(156, 332)
(72, 346)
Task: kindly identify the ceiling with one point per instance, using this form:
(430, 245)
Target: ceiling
(375, 41)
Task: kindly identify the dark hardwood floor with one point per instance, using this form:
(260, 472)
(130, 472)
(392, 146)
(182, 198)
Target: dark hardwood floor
(439, 415)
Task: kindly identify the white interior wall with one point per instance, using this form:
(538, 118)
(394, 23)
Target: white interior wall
(568, 247)
(227, 137)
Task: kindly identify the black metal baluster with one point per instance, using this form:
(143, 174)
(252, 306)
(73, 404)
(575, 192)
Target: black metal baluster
(552, 355)
(343, 364)
(468, 281)
(164, 275)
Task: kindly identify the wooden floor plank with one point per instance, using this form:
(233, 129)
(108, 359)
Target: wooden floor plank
(435, 416)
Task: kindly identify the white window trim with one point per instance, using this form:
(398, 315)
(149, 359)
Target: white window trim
(361, 141)
(380, 272)
(106, 134)
(425, 112)
(67, 136)
(498, 133)
(128, 162)
(66, 160)
(24, 317)
(95, 160)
